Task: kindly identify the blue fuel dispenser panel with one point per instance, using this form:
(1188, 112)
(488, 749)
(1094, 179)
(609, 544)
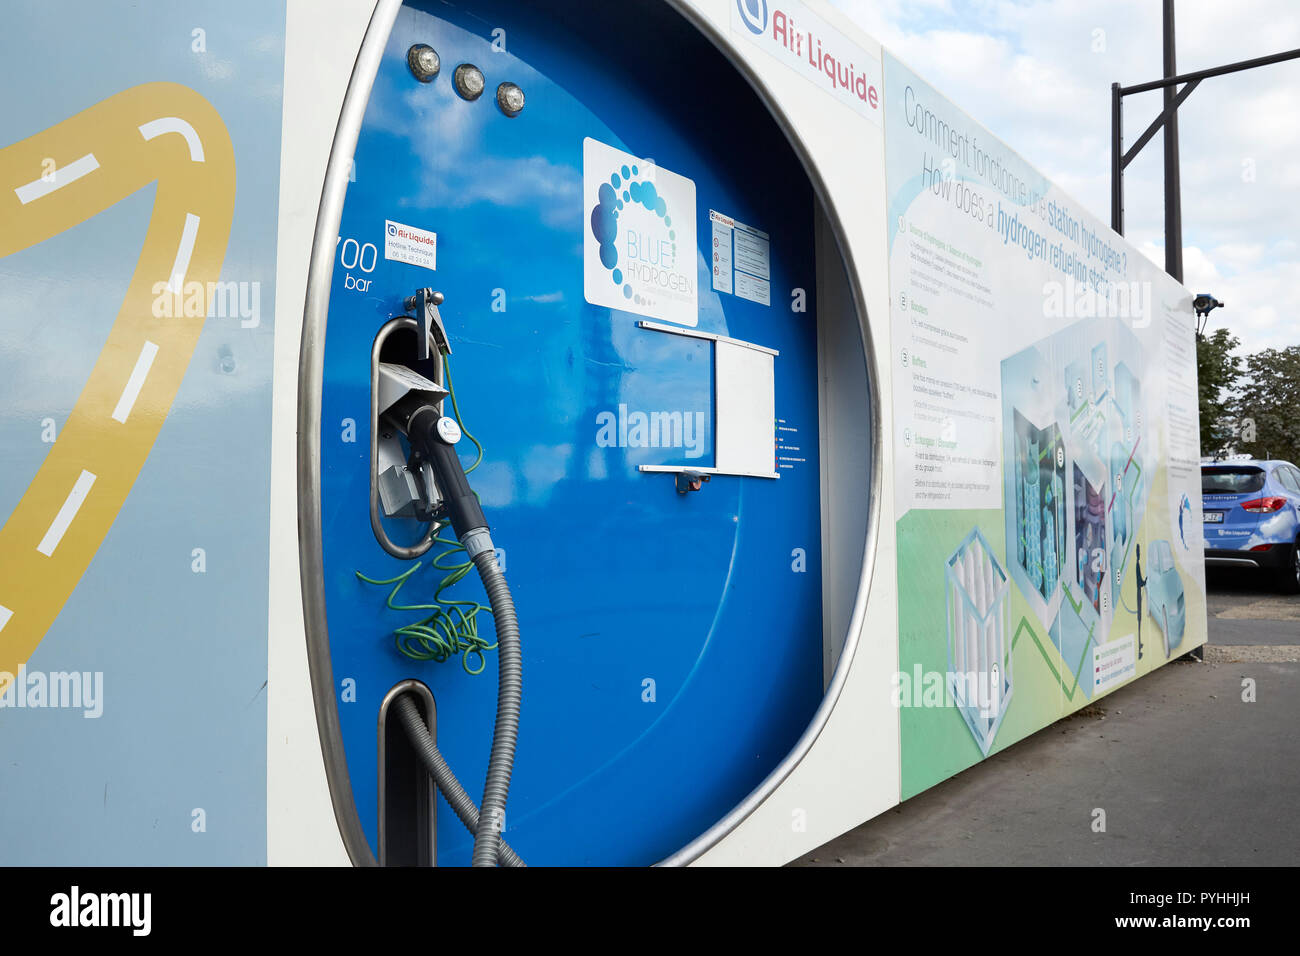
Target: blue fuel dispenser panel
(672, 642)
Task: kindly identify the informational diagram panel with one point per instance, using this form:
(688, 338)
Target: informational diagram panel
(1046, 444)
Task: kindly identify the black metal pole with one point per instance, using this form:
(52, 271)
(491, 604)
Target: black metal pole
(1116, 158)
(1213, 71)
(1168, 120)
(1173, 186)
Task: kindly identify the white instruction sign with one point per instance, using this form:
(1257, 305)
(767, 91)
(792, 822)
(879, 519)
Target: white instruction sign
(742, 259)
(722, 232)
(418, 247)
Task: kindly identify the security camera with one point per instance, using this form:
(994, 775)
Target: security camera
(1205, 303)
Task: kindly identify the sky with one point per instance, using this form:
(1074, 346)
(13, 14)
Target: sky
(1037, 73)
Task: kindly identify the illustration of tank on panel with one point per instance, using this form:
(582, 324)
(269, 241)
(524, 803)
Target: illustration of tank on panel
(1018, 488)
(1122, 508)
(1128, 440)
(1089, 537)
(1076, 395)
(979, 651)
(1051, 522)
(1128, 499)
(1039, 463)
(1099, 380)
(1031, 526)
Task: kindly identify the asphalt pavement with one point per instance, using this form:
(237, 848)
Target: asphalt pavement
(1245, 608)
(1187, 767)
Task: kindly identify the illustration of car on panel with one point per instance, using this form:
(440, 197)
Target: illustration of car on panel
(1167, 603)
(1251, 513)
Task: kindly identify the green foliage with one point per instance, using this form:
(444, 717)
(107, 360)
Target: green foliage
(1266, 409)
(1218, 374)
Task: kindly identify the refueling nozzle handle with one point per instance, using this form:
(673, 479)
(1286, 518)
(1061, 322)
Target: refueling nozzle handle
(434, 436)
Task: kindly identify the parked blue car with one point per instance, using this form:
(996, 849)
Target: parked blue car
(1252, 518)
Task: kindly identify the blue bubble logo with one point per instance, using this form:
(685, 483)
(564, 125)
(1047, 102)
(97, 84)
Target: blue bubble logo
(392, 230)
(604, 216)
(754, 13)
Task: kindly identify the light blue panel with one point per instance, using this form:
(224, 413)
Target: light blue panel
(182, 655)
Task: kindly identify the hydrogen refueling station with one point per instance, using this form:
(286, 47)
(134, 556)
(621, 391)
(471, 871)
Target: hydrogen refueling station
(561, 433)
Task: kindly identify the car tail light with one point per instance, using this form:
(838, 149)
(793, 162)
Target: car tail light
(1261, 547)
(1264, 505)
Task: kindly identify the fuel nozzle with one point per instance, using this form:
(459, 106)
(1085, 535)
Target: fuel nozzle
(411, 403)
(433, 437)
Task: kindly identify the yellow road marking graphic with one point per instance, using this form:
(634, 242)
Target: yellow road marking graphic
(50, 183)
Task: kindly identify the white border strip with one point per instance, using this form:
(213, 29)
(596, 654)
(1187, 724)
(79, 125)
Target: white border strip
(711, 336)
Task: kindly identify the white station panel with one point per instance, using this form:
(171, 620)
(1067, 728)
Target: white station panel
(745, 406)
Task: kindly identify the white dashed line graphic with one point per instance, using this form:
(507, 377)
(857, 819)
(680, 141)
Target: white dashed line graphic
(58, 179)
(182, 263)
(66, 514)
(135, 382)
(174, 124)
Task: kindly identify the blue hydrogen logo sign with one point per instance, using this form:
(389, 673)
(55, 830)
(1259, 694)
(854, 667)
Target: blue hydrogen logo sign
(640, 252)
(604, 223)
(754, 14)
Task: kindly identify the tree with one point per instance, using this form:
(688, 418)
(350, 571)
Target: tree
(1218, 371)
(1267, 407)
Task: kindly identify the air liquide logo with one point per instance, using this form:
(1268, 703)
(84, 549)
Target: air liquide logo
(639, 252)
(409, 244)
(753, 13)
(814, 49)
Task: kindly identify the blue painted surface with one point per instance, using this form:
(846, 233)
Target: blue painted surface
(618, 579)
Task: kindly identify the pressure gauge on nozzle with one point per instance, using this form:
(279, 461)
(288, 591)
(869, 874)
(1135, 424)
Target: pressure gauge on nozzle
(448, 430)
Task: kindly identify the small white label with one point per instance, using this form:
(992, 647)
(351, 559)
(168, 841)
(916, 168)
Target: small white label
(722, 230)
(755, 290)
(418, 247)
(742, 259)
(753, 252)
